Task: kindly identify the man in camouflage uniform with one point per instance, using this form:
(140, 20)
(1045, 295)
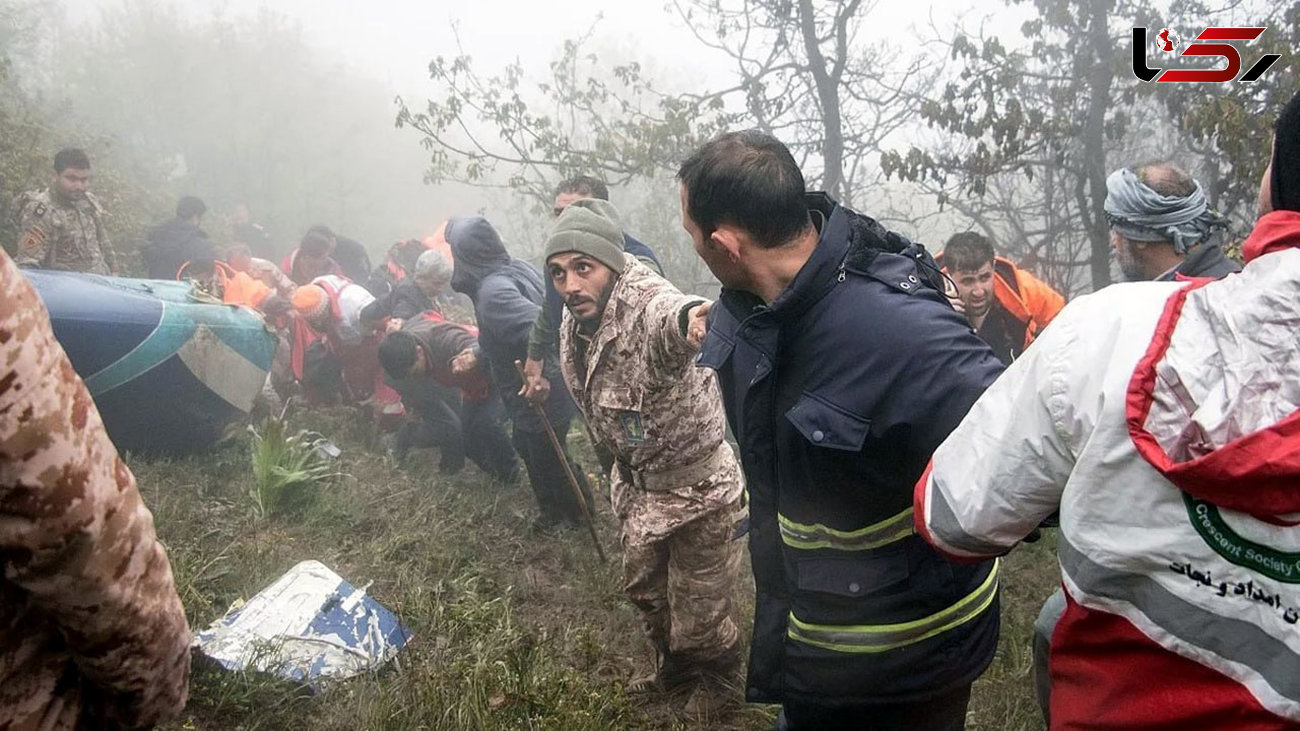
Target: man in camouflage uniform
(62, 227)
(676, 486)
(92, 633)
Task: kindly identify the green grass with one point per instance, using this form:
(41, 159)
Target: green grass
(513, 630)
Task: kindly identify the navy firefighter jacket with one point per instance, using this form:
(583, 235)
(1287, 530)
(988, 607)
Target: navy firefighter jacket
(838, 392)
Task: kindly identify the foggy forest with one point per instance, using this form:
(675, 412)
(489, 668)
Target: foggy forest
(382, 120)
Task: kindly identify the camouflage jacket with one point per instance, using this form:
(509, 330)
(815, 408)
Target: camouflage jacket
(56, 234)
(645, 400)
(92, 632)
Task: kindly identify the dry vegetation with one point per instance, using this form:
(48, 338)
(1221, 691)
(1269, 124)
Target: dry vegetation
(513, 630)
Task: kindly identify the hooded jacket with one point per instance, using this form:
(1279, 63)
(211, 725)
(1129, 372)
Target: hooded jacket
(1163, 419)
(838, 391)
(507, 295)
(173, 243)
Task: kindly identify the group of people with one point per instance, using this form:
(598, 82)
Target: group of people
(900, 420)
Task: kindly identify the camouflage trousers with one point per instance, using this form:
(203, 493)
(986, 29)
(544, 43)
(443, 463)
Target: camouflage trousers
(683, 585)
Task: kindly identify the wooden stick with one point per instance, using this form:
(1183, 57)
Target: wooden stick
(568, 469)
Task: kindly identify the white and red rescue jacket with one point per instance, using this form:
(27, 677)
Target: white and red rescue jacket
(1163, 419)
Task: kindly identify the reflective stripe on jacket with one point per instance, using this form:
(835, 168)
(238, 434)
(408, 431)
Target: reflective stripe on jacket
(837, 393)
(1163, 420)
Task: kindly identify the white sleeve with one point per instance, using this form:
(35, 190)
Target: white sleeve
(352, 300)
(1002, 470)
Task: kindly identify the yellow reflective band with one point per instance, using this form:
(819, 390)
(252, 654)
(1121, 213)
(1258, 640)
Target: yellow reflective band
(875, 638)
(807, 537)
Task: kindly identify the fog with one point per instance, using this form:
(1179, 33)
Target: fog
(290, 106)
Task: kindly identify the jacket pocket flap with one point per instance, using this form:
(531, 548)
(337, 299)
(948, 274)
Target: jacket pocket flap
(854, 577)
(618, 399)
(826, 425)
(715, 352)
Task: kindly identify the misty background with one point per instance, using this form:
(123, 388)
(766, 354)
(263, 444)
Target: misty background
(381, 119)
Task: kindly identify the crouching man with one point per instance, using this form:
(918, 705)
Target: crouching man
(675, 486)
(418, 359)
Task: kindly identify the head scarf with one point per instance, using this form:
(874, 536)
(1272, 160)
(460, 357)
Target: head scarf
(1139, 213)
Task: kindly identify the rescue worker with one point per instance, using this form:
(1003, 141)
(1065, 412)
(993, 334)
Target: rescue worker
(676, 486)
(174, 242)
(92, 632)
(1160, 222)
(841, 366)
(1005, 305)
(461, 413)
(507, 295)
(62, 227)
(1158, 418)
(342, 357)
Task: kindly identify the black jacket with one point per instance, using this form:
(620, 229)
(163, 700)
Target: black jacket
(174, 242)
(838, 392)
(406, 300)
(1203, 261)
(507, 295)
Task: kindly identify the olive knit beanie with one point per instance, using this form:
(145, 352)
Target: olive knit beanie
(589, 226)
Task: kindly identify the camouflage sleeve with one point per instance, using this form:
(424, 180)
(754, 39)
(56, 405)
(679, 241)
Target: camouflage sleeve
(75, 536)
(106, 247)
(34, 233)
(666, 313)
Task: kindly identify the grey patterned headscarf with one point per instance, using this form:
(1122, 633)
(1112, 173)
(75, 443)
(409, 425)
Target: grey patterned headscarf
(1139, 213)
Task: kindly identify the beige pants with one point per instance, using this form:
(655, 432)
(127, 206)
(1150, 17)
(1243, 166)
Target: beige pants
(683, 584)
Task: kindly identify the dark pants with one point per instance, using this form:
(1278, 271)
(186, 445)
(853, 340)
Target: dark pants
(945, 713)
(474, 429)
(546, 474)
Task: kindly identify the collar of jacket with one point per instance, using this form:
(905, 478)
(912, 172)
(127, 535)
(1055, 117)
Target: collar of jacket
(1273, 231)
(814, 279)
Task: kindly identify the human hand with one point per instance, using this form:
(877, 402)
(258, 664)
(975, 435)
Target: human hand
(536, 387)
(464, 362)
(394, 324)
(697, 324)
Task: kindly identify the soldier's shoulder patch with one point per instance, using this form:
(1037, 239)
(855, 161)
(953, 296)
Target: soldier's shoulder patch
(633, 429)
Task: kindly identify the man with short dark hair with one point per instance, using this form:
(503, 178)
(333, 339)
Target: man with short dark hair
(349, 253)
(1005, 305)
(62, 227)
(461, 413)
(175, 242)
(1159, 418)
(1160, 222)
(842, 366)
(311, 259)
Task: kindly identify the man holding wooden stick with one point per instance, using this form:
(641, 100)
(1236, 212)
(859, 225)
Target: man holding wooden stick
(627, 349)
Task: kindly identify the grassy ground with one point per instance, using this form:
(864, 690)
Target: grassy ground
(513, 630)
